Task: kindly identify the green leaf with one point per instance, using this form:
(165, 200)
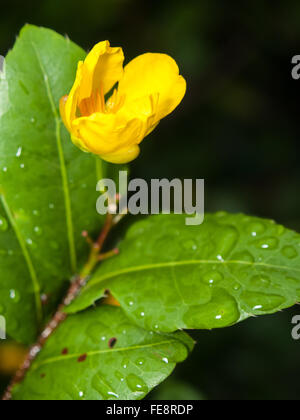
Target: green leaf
(170, 276)
(81, 364)
(47, 185)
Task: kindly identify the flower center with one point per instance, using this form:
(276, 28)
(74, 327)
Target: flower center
(96, 103)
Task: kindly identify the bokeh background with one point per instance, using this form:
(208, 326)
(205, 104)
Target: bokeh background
(238, 127)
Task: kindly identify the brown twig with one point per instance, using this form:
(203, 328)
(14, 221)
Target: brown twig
(60, 315)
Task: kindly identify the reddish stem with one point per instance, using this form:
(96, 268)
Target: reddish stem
(60, 315)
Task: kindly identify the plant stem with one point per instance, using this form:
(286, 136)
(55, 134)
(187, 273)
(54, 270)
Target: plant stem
(60, 315)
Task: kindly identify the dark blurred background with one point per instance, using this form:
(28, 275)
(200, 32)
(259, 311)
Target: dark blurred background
(238, 128)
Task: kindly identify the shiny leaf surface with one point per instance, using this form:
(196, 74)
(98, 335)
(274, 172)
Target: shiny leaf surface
(79, 361)
(170, 276)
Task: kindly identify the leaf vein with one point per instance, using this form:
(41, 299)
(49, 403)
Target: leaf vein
(65, 184)
(129, 270)
(27, 257)
(98, 352)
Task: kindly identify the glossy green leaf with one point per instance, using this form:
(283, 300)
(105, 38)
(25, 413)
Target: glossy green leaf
(78, 363)
(170, 276)
(47, 186)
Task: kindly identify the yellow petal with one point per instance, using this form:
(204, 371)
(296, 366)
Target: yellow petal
(153, 74)
(102, 68)
(105, 134)
(79, 143)
(68, 104)
(122, 156)
(144, 109)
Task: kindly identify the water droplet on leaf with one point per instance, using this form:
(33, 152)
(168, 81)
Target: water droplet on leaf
(255, 229)
(268, 243)
(262, 302)
(289, 252)
(38, 231)
(136, 384)
(14, 295)
(3, 224)
(212, 277)
(19, 152)
(260, 281)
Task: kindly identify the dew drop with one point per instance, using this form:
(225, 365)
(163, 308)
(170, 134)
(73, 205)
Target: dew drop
(101, 387)
(165, 360)
(226, 240)
(236, 287)
(125, 363)
(255, 229)
(261, 301)
(94, 332)
(212, 277)
(289, 252)
(190, 245)
(38, 231)
(4, 169)
(3, 224)
(136, 384)
(129, 302)
(260, 281)
(268, 243)
(30, 242)
(119, 376)
(19, 152)
(14, 295)
(208, 315)
(112, 394)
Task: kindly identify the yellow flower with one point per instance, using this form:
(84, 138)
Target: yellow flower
(149, 88)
